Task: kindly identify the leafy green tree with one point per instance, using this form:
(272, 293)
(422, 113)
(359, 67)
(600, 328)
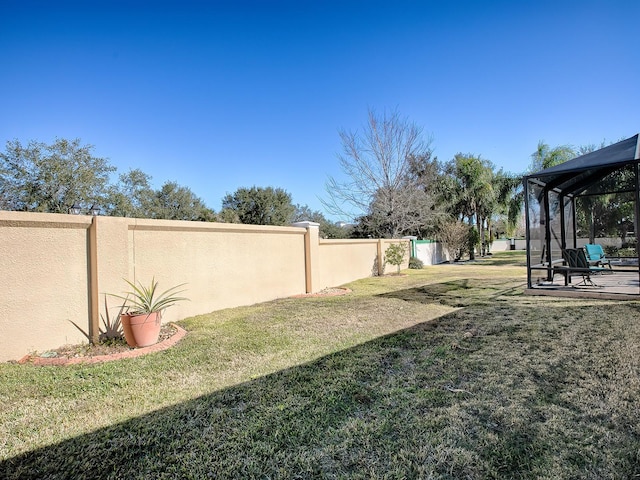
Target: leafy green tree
(610, 214)
(335, 230)
(429, 173)
(510, 199)
(395, 254)
(545, 156)
(470, 188)
(176, 202)
(328, 229)
(510, 191)
(51, 178)
(303, 213)
(596, 214)
(361, 228)
(132, 196)
(227, 215)
(259, 206)
(504, 205)
(474, 240)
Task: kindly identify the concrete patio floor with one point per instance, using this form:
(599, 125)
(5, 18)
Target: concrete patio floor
(618, 284)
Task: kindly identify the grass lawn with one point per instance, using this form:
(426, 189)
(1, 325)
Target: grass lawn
(447, 372)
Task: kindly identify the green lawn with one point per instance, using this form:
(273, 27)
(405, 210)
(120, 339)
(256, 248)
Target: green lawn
(447, 372)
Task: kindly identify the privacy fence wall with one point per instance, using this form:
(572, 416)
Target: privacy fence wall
(57, 269)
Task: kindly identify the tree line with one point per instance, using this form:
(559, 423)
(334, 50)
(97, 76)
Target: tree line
(40, 177)
(393, 178)
(392, 186)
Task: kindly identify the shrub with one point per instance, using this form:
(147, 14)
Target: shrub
(415, 263)
(394, 254)
(627, 252)
(454, 234)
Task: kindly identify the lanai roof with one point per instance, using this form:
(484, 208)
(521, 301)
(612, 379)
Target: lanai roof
(550, 206)
(574, 176)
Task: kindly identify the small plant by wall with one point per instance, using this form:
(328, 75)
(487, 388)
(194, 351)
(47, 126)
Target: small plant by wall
(395, 253)
(415, 263)
(111, 328)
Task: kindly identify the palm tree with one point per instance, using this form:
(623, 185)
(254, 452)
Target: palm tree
(545, 156)
(470, 190)
(510, 188)
(510, 198)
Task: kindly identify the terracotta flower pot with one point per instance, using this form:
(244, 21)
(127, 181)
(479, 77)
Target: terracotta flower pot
(141, 330)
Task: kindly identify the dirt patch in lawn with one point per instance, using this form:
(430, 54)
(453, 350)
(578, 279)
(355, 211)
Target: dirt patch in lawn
(327, 292)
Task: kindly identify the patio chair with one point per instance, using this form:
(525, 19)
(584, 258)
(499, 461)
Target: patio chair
(596, 256)
(576, 262)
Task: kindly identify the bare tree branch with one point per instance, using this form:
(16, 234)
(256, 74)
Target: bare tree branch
(379, 185)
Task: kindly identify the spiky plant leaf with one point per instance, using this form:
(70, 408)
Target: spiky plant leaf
(145, 299)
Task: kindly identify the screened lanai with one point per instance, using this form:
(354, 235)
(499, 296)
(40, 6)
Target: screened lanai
(593, 199)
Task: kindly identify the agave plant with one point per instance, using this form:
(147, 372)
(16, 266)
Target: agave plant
(112, 327)
(146, 299)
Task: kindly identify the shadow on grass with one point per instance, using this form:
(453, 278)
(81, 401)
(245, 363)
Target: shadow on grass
(418, 403)
(512, 259)
(502, 260)
(459, 293)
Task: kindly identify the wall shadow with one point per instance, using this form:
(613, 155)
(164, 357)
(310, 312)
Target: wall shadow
(458, 293)
(374, 410)
(279, 420)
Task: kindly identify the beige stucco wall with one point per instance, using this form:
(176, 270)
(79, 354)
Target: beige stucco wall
(343, 261)
(223, 265)
(59, 268)
(47, 263)
(44, 281)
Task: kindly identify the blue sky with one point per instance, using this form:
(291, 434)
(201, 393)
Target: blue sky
(226, 94)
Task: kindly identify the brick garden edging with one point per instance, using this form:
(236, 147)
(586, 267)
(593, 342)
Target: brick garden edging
(137, 352)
